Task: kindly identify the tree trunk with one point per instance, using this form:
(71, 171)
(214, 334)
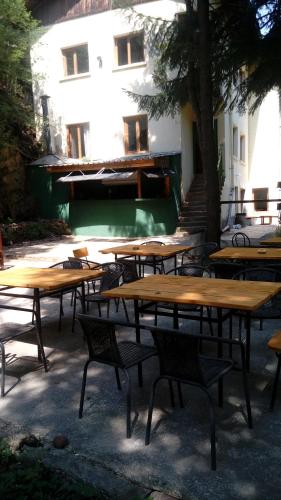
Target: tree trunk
(205, 123)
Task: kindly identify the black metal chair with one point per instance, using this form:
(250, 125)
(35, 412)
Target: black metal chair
(240, 240)
(110, 279)
(104, 348)
(8, 332)
(270, 310)
(275, 345)
(180, 361)
(61, 292)
(199, 254)
(87, 264)
(186, 270)
(224, 269)
(157, 262)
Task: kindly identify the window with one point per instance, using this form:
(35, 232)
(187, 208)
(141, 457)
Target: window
(75, 60)
(129, 49)
(242, 148)
(235, 142)
(77, 140)
(135, 134)
(259, 195)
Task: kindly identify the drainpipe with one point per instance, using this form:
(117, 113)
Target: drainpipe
(46, 123)
(231, 167)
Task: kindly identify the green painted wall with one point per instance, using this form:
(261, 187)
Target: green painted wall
(123, 217)
(107, 217)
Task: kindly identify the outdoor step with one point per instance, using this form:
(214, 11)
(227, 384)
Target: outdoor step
(192, 223)
(198, 218)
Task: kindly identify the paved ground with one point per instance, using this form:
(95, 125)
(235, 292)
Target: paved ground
(177, 462)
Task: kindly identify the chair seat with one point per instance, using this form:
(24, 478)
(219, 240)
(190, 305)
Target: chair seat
(96, 297)
(265, 312)
(275, 342)
(213, 368)
(132, 353)
(9, 331)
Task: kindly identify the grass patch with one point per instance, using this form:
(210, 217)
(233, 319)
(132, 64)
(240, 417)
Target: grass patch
(23, 479)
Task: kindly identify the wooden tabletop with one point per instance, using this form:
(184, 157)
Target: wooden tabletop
(46, 278)
(247, 253)
(222, 293)
(272, 241)
(147, 250)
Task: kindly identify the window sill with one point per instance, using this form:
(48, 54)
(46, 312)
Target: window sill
(129, 66)
(75, 77)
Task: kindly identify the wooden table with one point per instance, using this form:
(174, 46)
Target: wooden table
(219, 293)
(247, 253)
(38, 279)
(164, 251)
(275, 241)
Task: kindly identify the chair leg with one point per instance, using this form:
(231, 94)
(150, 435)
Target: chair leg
(128, 399)
(180, 395)
(212, 431)
(209, 314)
(276, 379)
(61, 312)
(108, 307)
(245, 386)
(125, 309)
(220, 392)
(150, 411)
(99, 309)
(3, 369)
(117, 379)
(83, 388)
(172, 394)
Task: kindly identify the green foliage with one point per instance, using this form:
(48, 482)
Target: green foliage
(23, 479)
(36, 230)
(16, 28)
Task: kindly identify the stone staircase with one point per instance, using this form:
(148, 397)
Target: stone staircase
(193, 215)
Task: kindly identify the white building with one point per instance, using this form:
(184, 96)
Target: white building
(85, 56)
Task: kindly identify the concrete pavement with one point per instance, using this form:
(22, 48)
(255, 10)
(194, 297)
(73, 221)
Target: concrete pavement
(177, 462)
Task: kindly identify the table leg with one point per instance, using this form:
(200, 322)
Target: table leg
(83, 304)
(41, 352)
(248, 340)
(137, 322)
(220, 347)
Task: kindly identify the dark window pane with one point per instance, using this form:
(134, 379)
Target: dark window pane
(137, 53)
(143, 133)
(132, 140)
(82, 59)
(122, 51)
(69, 62)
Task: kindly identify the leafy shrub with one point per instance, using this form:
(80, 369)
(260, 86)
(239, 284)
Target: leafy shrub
(29, 231)
(23, 479)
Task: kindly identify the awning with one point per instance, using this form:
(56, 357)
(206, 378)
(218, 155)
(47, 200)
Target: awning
(105, 178)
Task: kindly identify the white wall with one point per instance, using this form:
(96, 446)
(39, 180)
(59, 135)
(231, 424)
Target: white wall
(98, 97)
(265, 149)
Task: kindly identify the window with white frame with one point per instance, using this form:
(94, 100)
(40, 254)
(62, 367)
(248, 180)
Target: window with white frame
(75, 60)
(235, 142)
(129, 49)
(78, 140)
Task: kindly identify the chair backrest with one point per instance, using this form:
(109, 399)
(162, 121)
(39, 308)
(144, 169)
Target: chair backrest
(191, 270)
(80, 252)
(179, 355)
(200, 253)
(130, 272)
(225, 270)
(101, 339)
(86, 264)
(111, 278)
(67, 264)
(240, 240)
(151, 242)
(258, 274)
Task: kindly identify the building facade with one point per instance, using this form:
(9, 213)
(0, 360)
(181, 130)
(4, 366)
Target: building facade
(86, 56)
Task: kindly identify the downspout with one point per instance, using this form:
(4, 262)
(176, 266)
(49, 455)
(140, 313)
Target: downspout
(46, 123)
(230, 217)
